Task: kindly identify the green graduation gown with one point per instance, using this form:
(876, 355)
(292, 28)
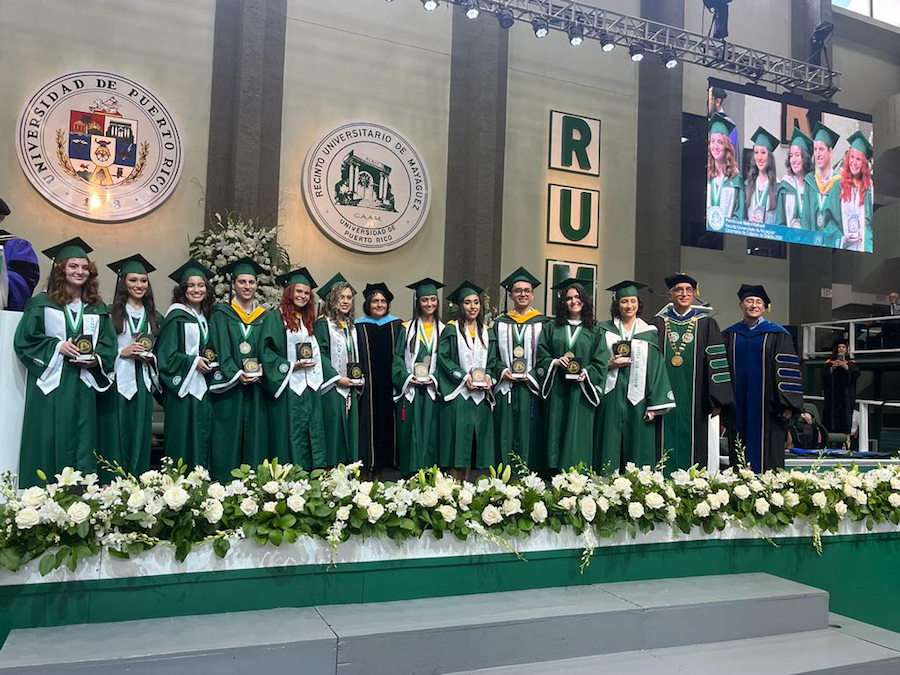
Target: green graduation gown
(297, 427)
(571, 406)
(724, 201)
(824, 209)
(59, 428)
(857, 216)
(621, 431)
(340, 406)
(125, 410)
(240, 412)
(186, 400)
(467, 421)
(790, 208)
(418, 407)
(518, 413)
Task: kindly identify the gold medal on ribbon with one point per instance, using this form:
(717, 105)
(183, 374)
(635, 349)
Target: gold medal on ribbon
(519, 351)
(677, 360)
(244, 347)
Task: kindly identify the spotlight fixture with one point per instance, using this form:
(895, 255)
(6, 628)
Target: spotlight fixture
(470, 7)
(606, 42)
(636, 50)
(540, 27)
(505, 17)
(576, 34)
(669, 59)
(430, 5)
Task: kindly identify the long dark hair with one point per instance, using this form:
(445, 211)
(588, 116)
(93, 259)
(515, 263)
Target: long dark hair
(416, 319)
(206, 305)
(805, 158)
(614, 308)
(587, 308)
(56, 285)
(771, 187)
(461, 320)
(120, 299)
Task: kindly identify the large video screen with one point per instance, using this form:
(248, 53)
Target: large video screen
(784, 169)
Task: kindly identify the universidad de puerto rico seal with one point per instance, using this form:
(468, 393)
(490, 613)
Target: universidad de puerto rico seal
(99, 146)
(366, 186)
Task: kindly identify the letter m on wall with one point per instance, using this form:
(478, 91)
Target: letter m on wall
(574, 143)
(573, 216)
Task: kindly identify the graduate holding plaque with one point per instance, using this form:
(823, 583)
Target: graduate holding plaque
(760, 195)
(824, 188)
(519, 410)
(125, 410)
(68, 346)
(415, 380)
(637, 386)
(789, 210)
(186, 359)
(336, 335)
(294, 370)
(467, 359)
(724, 187)
(240, 405)
(856, 195)
(571, 365)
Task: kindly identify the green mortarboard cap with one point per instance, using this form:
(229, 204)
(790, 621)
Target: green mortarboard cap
(338, 278)
(719, 124)
(858, 141)
(463, 291)
(192, 268)
(802, 140)
(136, 264)
(379, 287)
(520, 274)
(300, 275)
(626, 289)
(755, 291)
(243, 266)
(74, 248)
(680, 278)
(827, 136)
(765, 139)
(425, 287)
(570, 281)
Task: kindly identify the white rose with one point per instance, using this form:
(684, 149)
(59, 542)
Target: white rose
(429, 498)
(762, 506)
(741, 491)
(539, 512)
(894, 500)
(568, 503)
(27, 518)
(792, 499)
(702, 510)
(511, 507)
(512, 491)
(854, 480)
(777, 499)
(79, 512)
(700, 484)
(271, 487)
(249, 506)
(365, 486)
(756, 486)
(622, 484)
(654, 500)
(588, 508)
(362, 500)
(464, 497)
(213, 511)
(849, 490)
(635, 510)
(374, 512)
(270, 506)
(491, 515)
(603, 504)
(137, 500)
(448, 513)
(33, 496)
(895, 483)
(819, 500)
(216, 491)
(175, 497)
(343, 513)
(841, 509)
(296, 503)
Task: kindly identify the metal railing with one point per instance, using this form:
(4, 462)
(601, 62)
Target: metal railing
(853, 328)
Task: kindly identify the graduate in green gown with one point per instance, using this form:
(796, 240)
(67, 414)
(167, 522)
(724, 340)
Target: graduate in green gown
(294, 371)
(240, 404)
(518, 413)
(789, 210)
(823, 188)
(125, 410)
(761, 188)
(186, 360)
(571, 367)
(724, 186)
(637, 387)
(856, 195)
(415, 381)
(467, 361)
(336, 335)
(60, 422)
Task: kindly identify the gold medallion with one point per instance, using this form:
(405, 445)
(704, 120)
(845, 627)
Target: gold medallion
(677, 360)
(569, 355)
(519, 351)
(244, 347)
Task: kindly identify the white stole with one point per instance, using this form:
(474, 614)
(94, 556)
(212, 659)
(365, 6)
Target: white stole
(640, 356)
(854, 208)
(505, 345)
(55, 326)
(301, 378)
(194, 383)
(126, 383)
(339, 356)
(409, 358)
(470, 356)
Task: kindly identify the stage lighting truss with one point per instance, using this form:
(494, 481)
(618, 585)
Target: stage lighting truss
(612, 28)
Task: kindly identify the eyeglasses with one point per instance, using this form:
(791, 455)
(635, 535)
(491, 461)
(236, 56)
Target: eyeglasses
(521, 291)
(750, 302)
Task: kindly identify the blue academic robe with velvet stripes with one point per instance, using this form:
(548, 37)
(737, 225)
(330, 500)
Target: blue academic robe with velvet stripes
(765, 370)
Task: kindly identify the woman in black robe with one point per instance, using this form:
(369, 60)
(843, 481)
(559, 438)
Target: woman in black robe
(839, 388)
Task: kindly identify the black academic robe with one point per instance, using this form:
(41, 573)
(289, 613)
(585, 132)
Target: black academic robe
(377, 421)
(839, 390)
(765, 371)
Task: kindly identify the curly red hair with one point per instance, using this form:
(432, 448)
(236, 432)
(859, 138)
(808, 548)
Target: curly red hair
(56, 285)
(290, 315)
(865, 179)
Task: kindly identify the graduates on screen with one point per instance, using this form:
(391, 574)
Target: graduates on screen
(694, 356)
(186, 359)
(760, 188)
(68, 346)
(637, 387)
(768, 389)
(415, 380)
(571, 367)
(724, 187)
(125, 410)
(824, 188)
(377, 332)
(790, 210)
(856, 195)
